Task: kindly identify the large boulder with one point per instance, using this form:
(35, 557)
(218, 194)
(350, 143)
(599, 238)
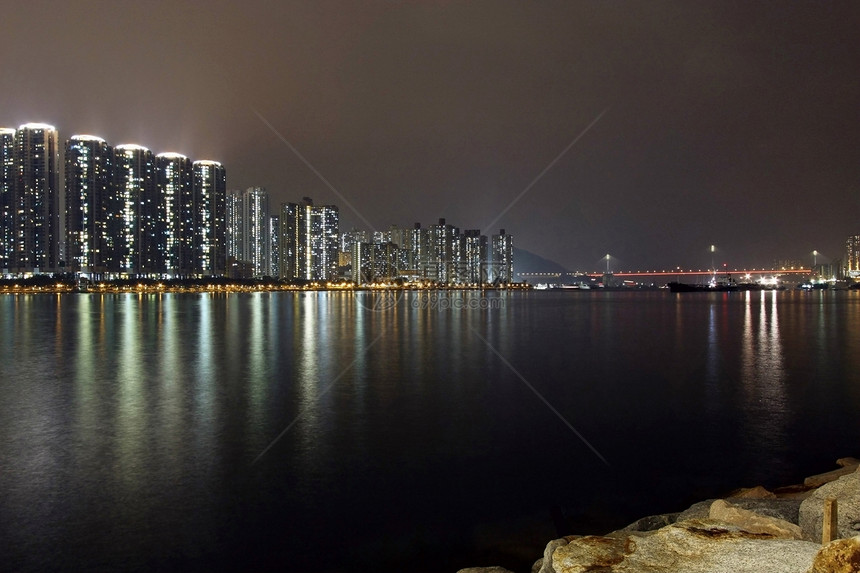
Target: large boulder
(694, 546)
(846, 492)
(752, 522)
(757, 492)
(787, 509)
(545, 563)
(840, 556)
(827, 477)
(650, 523)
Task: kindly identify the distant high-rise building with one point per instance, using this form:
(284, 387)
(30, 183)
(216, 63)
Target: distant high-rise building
(255, 230)
(208, 227)
(173, 179)
(419, 245)
(474, 256)
(326, 229)
(88, 188)
(361, 263)
(852, 256)
(502, 258)
(293, 242)
(233, 211)
(133, 245)
(309, 241)
(7, 189)
(384, 265)
(348, 238)
(249, 232)
(398, 235)
(274, 242)
(440, 260)
(36, 198)
(403, 239)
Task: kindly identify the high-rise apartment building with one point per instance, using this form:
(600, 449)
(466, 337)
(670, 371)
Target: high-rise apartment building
(474, 256)
(274, 246)
(233, 211)
(420, 247)
(502, 258)
(133, 241)
(349, 238)
(88, 187)
(309, 241)
(293, 242)
(7, 188)
(852, 256)
(326, 229)
(256, 233)
(36, 199)
(173, 180)
(439, 262)
(208, 227)
(361, 262)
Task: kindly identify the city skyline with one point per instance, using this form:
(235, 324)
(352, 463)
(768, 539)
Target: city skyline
(150, 259)
(729, 123)
(103, 211)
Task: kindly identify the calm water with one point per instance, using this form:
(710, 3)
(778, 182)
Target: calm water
(357, 432)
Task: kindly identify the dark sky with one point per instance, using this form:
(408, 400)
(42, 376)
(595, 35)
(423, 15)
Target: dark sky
(734, 124)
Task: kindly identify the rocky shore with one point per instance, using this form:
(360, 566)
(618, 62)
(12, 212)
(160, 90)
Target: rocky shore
(788, 530)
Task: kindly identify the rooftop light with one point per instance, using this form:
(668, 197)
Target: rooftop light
(44, 126)
(131, 147)
(87, 138)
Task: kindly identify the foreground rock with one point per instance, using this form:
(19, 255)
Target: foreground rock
(821, 479)
(754, 530)
(840, 556)
(706, 546)
(544, 564)
(752, 522)
(846, 492)
(787, 509)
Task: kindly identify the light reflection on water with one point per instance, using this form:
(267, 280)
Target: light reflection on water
(763, 368)
(128, 423)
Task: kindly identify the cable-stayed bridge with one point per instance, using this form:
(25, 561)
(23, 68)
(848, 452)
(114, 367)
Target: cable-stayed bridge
(667, 274)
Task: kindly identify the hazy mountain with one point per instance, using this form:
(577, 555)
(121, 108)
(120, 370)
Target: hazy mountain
(528, 262)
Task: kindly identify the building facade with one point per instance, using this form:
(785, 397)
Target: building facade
(852, 256)
(209, 220)
(309, 241)
(501, 269)
(88, 188)
(275, 246)
(132, 245)
(36, 199)
(256, 233)
(175, 220)
(7, 189)
(233, 213)
(474, 256)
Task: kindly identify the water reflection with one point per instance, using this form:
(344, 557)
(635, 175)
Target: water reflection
(763, 364)
(136, 417)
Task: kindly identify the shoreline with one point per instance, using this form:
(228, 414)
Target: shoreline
(788, 529)
(229, 286)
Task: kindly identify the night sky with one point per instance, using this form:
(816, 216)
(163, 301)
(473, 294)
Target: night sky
(734, 124)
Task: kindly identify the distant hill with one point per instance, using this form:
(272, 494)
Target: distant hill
(528, 262)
